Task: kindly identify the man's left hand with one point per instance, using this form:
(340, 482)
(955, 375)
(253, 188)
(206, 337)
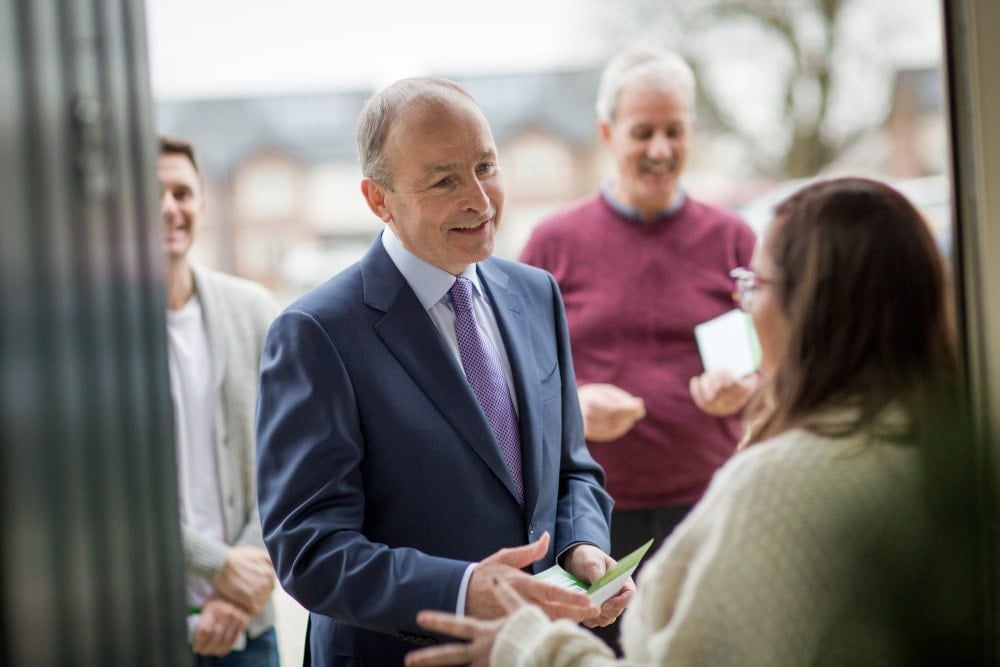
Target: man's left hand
(589, 563)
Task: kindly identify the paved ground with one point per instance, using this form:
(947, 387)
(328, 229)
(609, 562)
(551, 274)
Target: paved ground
(291, 628)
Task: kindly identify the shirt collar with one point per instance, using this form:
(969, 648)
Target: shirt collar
(427, 281)
(632, 214)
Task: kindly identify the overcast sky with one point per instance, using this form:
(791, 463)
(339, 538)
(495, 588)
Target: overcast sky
(216, 48)
(220, 48)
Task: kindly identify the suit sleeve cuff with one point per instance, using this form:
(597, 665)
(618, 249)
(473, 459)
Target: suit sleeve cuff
(561, 556)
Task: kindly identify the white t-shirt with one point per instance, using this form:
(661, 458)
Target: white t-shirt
(193, 392)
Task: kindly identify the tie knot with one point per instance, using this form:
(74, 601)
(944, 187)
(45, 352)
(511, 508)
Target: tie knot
(461, 294)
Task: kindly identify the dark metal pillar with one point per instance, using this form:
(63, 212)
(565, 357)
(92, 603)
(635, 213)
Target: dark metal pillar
(90, 562)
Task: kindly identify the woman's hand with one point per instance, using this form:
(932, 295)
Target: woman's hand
(479, 635)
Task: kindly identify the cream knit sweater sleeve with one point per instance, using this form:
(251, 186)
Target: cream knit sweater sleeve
(764, 569)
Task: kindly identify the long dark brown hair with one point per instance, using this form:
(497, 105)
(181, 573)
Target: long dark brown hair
(864, 288)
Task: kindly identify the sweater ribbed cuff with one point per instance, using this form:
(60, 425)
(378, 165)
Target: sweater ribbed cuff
(518, 637)
(530, 639)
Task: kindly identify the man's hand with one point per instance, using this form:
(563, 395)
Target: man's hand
(589, 563)
(719, 394)
(505, 565)
(609, 412)
(219, 626)
(246, 579)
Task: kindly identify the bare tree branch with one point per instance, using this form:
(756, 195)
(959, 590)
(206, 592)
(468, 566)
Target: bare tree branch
(807, 30)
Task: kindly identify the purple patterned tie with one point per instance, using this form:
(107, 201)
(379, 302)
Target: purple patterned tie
(485, 374)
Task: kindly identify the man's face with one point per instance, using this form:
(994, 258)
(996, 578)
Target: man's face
(447, 191)
(649, 138)
(181, 203)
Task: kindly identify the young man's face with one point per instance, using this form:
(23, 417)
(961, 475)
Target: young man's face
(649, 137)
(181, 203)
(447, 191)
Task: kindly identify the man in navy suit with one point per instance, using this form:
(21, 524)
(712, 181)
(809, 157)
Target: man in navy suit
(383, 490)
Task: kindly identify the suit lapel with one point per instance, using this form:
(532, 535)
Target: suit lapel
(413, 339)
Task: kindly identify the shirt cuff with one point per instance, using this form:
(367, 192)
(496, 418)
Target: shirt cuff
(463, 590)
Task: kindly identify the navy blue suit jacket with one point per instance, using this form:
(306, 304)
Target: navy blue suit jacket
(379, 479)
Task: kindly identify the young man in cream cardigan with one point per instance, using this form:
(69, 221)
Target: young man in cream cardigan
(216, 325)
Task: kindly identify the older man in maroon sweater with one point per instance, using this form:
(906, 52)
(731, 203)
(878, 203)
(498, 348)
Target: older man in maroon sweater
(639, 264)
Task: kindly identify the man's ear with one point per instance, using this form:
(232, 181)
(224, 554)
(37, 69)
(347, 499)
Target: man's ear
(374, 193)
(604, 129)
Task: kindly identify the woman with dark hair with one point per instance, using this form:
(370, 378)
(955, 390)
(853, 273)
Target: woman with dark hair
(808, 547)
(852, 304)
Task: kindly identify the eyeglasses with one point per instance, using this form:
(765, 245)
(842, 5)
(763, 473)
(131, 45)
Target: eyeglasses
(748, 283)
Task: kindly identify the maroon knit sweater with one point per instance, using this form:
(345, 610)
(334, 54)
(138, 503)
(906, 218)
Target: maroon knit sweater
(633, 293)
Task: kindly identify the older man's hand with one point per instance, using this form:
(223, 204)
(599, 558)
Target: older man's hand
(609, 412)
(719, 394)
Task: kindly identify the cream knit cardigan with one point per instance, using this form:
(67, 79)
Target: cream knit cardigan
(778, 564)
(237, 314)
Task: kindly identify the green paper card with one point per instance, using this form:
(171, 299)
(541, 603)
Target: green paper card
(607, 586)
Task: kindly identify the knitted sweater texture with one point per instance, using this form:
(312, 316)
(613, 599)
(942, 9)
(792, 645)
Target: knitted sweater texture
(634, 292)
(792, 557)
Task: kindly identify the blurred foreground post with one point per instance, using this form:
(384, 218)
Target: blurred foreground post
(90, 562)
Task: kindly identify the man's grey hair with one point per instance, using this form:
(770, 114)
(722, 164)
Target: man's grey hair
(647, 67)
(381, 111)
